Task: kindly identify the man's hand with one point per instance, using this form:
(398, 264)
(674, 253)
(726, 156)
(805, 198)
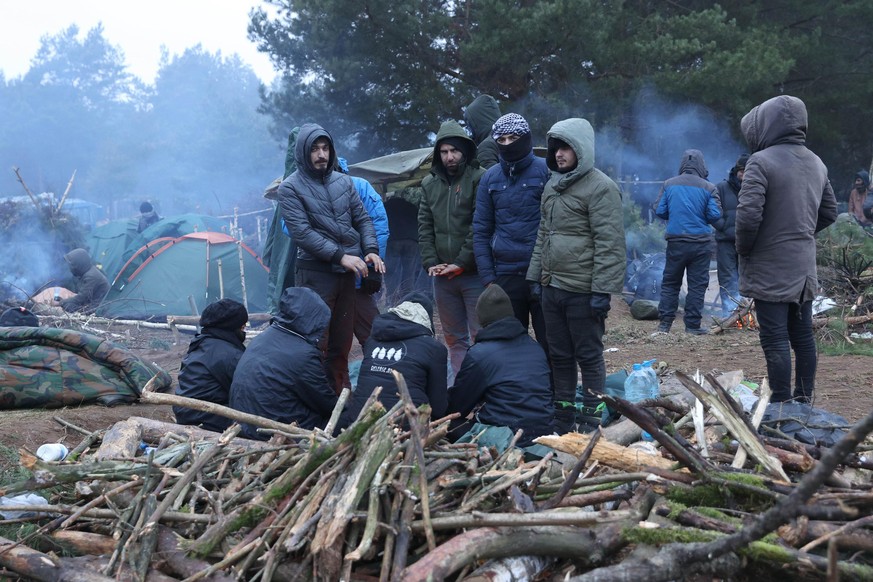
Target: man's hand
(451, 271)
(600, 305)
(436, 270)
(355, 264)
(536, 290)
(376, 261)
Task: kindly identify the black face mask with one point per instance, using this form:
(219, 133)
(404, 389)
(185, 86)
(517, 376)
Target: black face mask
(241, 334)
(516, 150)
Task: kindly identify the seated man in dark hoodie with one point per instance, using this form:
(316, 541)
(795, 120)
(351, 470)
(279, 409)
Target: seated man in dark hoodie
(402, 340)
(207, 369)
(93, 284)
(280, 376)
(505, 374)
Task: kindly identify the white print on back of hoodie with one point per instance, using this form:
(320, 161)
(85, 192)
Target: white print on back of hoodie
(385, 358)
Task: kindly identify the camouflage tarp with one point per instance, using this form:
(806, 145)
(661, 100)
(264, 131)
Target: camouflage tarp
(44, 367)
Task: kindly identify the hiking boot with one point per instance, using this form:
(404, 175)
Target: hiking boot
(664, 327)
(588, 419)
(697, 330)
(565, 420)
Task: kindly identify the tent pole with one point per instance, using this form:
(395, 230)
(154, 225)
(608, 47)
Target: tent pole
(220, 281)
(242, 271)
(207, 270)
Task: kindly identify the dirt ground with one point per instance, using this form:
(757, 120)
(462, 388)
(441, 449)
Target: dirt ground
(844, 384)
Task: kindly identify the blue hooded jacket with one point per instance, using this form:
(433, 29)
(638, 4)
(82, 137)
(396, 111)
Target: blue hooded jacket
(688, 202)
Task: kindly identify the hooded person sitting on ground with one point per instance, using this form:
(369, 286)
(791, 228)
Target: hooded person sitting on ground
(92, 284)
(208, 367)
(280, 376)
(403, 340)
(18, 317)
(504, 379)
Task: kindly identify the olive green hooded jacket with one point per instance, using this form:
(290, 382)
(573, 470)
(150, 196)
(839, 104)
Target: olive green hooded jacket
(580, 244)
(445, 215)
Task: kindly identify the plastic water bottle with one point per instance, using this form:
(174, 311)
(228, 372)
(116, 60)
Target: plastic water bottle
(638, 384)
(655, 382)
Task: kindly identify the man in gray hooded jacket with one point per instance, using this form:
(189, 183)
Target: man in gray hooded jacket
(785, 199)
(327, 220)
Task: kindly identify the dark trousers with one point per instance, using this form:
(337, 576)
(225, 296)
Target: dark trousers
(692, 260)
(728, 276)
(366, 311)
(338, 291)
(575, 338)
(526, 307)
(403, 271)
(786, 327)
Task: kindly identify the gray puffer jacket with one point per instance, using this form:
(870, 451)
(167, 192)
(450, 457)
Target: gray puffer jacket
(785, 199)
(322, 210)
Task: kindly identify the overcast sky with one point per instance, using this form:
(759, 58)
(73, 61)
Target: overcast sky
(139, 28)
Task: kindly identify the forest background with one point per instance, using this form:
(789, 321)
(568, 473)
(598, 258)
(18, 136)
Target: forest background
(654, 78)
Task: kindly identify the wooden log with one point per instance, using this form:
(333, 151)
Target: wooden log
(606, 453)
(38, 566)
(818, 322)
(623, 432)
(587, 548)
(255, 319)
(333, 524)
(736, 425)
(121, 441)
(155, 430)
(512, 568)
(179, 562)
(225, 411)
(83, 542)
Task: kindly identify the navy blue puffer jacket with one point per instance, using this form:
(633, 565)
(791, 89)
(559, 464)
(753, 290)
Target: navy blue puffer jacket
(507, 216)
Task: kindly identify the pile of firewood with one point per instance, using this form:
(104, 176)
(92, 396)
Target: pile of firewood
(391, 499)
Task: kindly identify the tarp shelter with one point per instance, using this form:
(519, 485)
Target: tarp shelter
(207, 266)
(395, 171)
(46, 367)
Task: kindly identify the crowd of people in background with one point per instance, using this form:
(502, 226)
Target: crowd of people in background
(519, 258)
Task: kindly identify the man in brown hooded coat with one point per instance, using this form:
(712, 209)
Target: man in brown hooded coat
(785, 199)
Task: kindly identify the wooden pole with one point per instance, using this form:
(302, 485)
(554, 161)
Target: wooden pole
(220, 281)
(26, 189)
(242, 272)
(67, 191)
(207, 270)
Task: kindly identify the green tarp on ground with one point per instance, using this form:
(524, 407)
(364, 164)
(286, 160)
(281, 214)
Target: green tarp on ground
(42, 367)
(207, 266)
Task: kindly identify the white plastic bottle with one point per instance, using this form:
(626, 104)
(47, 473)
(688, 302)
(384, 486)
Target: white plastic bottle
(637, 386)
(655, 382)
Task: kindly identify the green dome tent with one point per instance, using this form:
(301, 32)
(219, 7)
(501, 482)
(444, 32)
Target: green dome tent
(107, 243)
(159, 277)
(114, 243)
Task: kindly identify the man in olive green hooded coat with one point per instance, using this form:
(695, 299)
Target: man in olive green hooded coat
(445, 232)
(577, 262)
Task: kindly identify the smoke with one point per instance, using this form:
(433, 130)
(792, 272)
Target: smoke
(33, 251)
(648, 146)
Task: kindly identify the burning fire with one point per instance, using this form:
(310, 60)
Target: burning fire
(747, 321)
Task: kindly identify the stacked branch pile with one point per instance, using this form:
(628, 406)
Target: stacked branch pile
(391, 499)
